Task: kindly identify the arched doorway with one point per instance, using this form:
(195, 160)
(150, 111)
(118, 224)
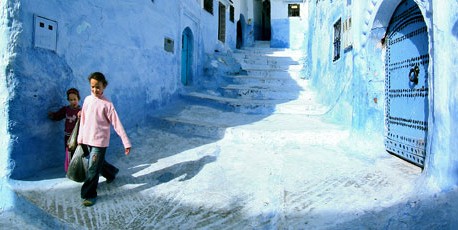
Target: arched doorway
(187, 41)
(266, 34)
(406, 84)
(262, 23)
(239, 41)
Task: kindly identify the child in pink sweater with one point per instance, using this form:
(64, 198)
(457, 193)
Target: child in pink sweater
(97, 115)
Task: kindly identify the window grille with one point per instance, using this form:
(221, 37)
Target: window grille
(222, 23)
(337, 38)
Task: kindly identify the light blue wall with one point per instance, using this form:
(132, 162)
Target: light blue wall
(122, 39)
(281, 33)
(337, 86)
(4, 94)
(350, 85)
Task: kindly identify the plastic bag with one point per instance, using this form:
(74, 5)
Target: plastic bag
(78, 165)
(72, 140)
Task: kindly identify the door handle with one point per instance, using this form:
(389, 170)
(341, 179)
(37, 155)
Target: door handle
(413, 74)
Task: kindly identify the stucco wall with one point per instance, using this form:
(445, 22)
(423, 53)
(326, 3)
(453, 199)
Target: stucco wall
(123, 39)
(287, 32)
(5, 34)
(353, 86)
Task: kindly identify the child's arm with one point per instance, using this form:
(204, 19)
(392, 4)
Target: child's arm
(57, 116)
(119, 129)
(82, 117)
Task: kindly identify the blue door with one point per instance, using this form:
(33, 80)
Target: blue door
(406, 84)
(186, 56)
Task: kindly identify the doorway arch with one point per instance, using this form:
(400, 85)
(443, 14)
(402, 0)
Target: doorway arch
(265, 24)
(239, 41)
(406, 83)
(187, 41)
(262, 18)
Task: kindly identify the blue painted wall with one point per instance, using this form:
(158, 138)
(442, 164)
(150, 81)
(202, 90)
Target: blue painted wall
(96, 36)
(281, 33)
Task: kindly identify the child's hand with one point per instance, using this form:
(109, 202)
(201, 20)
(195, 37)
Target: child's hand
(127, 151)
(79, 114)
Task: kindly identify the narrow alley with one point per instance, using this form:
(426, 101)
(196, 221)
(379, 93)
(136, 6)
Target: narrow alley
(252, 157)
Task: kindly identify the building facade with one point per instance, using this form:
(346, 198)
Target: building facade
(149, 50)
(390, 66)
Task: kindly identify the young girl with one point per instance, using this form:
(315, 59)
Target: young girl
(70, 113)
(97, 115)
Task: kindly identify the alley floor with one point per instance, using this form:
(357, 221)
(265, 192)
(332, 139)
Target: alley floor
(281, 170)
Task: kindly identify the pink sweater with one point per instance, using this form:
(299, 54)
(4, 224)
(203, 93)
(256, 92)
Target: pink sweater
(96, 116)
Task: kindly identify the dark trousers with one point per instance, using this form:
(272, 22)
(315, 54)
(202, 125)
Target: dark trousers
(97, 166)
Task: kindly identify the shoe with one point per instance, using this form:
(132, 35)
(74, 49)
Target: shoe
(114, 177)
(89, 202)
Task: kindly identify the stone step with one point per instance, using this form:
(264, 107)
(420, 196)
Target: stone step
(274, 62)
(294, 72)
(275, 56)
(194, 120)
(257, 106)
(199, 120)
(290, 91)
(279, 52)
(271, 67)
(251, 106)
(254, 77)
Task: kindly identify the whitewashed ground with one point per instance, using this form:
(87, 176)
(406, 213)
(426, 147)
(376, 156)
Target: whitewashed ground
(255, 178)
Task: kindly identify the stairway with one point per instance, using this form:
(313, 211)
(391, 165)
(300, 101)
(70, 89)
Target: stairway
(269, 82)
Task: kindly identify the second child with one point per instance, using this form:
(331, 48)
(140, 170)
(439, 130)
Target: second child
(70, 113)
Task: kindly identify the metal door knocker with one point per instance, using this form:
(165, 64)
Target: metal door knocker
(413, 74)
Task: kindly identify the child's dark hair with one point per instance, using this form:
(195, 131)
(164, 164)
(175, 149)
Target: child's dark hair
(99, 77)
(73, 91)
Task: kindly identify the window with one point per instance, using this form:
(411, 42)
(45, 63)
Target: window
(208, 6)
(294, 10)
(231, 13)
(222, 22)
(347, 39)
(337, 38)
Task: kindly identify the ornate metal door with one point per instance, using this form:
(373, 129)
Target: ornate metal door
(406, 84)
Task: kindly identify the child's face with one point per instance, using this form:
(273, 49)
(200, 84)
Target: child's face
(73, 100)
(97, 88)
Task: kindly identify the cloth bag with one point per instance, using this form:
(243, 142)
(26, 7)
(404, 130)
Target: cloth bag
(77, 168)
(73, 139)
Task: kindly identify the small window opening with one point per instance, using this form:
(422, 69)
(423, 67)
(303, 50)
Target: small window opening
(294, 10)
(208, 6)
(337, 38)
(222, 23)
(231, 13)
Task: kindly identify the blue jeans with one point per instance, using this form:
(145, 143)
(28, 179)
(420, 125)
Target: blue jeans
(97, 165)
